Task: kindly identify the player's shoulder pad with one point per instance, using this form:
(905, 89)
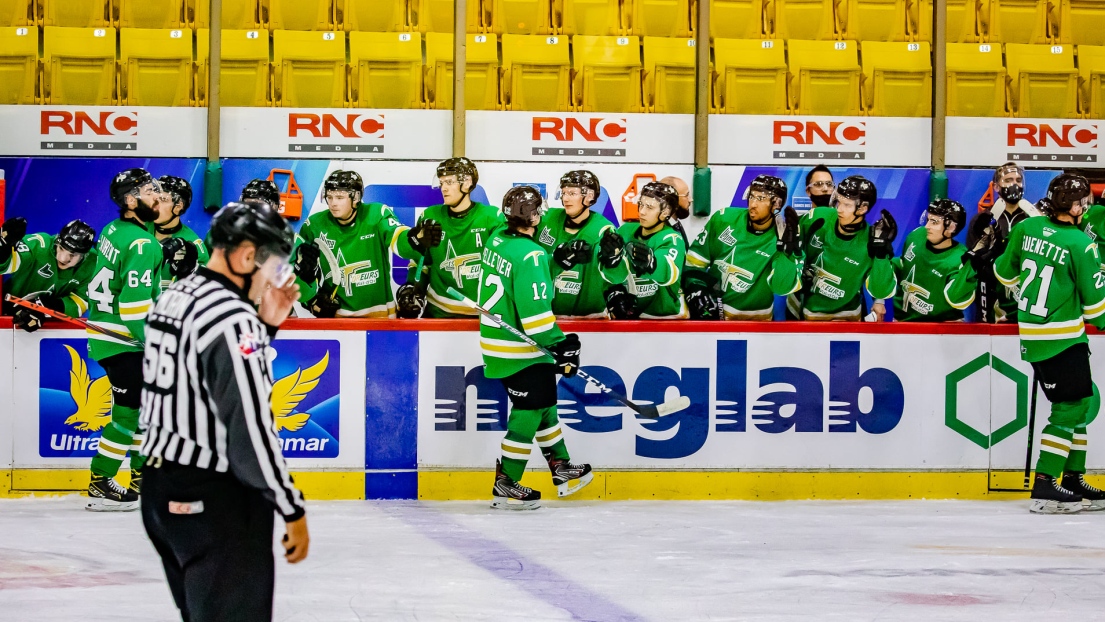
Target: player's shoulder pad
(39, 238)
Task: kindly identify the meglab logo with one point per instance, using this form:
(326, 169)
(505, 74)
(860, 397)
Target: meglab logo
(1053, 142)
(572, 136)
(773, 400)
(349, 130)
(78, 130)
(833, 140)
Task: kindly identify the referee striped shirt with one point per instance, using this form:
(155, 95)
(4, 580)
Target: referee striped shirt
(207, 387)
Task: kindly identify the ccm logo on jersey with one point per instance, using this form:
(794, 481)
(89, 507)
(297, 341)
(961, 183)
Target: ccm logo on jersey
(352, 125)
(572, 129)
(81, 123)
(833, 133)
(1065, 136)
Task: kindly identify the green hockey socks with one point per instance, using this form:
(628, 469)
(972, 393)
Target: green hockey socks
(118, 438)
(522, 428)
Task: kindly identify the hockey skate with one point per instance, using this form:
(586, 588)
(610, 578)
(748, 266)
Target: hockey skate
(569, 478)
(1093, 498)
(135, 484)
(1048, 497)
(106, 495)
(510, 495)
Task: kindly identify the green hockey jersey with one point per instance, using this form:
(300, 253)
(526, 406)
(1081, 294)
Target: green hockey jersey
(934, 285)
(124, 287)
(1093, 222)
(580, 291)
(1056, 269)
(745, 264)
(33, 267)
(363, 250)
(840, 269)
(660, 294)
(516, 286)
(456, 261)
(188, 235)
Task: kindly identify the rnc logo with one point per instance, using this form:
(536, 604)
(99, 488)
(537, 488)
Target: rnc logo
(829, 139)
(347, 127)
(85, 125)
(1066, 142)
(580, 129)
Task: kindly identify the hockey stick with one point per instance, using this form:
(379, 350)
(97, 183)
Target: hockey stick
(19, 302)
(645, 410)
(1031, 431)
(335, 268)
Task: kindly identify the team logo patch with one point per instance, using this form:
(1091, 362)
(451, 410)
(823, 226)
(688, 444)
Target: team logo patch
(249, 345)
(46, 271)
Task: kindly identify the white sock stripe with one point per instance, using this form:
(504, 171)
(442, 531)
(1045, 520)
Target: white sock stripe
(549, 437)
(516, 444)
(118, 447)
(1054, 441)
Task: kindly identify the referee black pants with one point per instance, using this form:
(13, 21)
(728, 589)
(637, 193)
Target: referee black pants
(214, 536)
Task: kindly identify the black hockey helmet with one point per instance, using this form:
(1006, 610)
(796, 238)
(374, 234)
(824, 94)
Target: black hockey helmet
(179, 189)
(463, 168)
(585, 181)
(664, 193)
(348, 181)
(951, 211)
(1066, 190)
(76, 237)
(859, 189)
(127, 183)
(520, 203)
(773, 187)
(253, 221)
(262, 190)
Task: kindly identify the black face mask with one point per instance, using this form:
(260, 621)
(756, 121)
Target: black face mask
(821, 200)
(1011, 194)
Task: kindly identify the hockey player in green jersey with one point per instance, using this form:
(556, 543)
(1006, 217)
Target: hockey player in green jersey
(122, 292)
(655, 252)
(305, 257)
(53, 271)
(184, 251)
(466, 227)
(844, 255)
(357, 239)
(936, 280)
(516, 286)
(1056, 270)
(586, 249)
(745, 257)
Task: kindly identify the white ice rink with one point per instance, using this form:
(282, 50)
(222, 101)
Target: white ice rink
(603, 561)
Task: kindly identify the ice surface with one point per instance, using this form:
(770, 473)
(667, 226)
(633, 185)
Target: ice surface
(604, 561)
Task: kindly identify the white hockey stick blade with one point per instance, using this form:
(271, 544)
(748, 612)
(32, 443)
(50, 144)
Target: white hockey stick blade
(680, 403)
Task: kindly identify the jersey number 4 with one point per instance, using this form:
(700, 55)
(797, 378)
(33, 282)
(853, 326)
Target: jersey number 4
(99, 289)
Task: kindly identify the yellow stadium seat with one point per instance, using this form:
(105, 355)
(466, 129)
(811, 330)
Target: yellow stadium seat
(437, 16)
(309, 69)
(18, 64)
(897, 78)
(607, 73)
(203, 65)
(236, 14)
(661, 18)
(824, 77)
(17, 13)
(372, 15)
(1091, 72)
(875, 20)
(481, 72)
(669, 75)
(1018, 21)
(536, 73)
(519, 17)
(738, 19)
(752, 76)
(298, 14)
(1043, 81)
(156, 67)
(588, 17)
(77, 13)
(976, 80)
(244, 79)
(79, 66)
(1083, 22)
(151, 14)
(805, 19)
(386, 69)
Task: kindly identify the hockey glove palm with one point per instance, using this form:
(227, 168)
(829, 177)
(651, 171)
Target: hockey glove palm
(410, 301)
(880, 242)
(572, 254)
(641, 258)
(611, 247)
(11, 233)
(325, 303)
(786, 227)
(566, 354)
(425, 235)
(181, 257)
(307, 268)
(620, 304)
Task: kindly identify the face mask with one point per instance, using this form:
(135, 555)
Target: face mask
(821, 200)
(1012, 194)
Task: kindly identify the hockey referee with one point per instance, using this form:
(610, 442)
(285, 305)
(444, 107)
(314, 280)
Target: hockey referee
(215, 472)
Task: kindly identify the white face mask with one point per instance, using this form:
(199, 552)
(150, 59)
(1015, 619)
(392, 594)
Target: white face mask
(275, 271)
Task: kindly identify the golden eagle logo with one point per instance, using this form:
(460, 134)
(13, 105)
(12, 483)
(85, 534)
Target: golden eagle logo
(92, 397)
(290, 390)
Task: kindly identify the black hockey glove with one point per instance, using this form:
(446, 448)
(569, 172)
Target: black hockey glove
(702, 298)
(620, 304)
(786, 228)
(880, 241)
(572, 254)
(325, 303)
(611, 247)
(181, 257)
(410, 301)
(566, 354)
(11, 233)
(988, 247)
(425, 235)
(31, 320)
(307, 268)
(641, 258)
